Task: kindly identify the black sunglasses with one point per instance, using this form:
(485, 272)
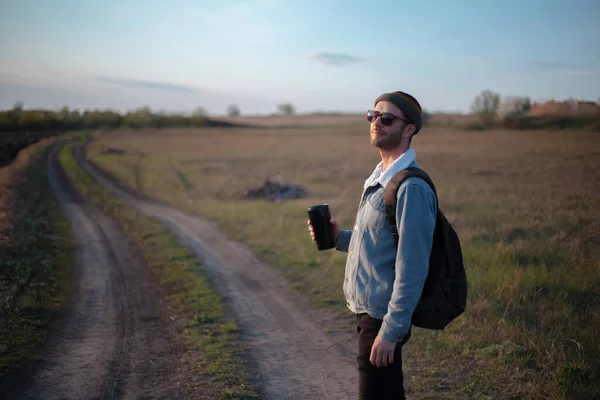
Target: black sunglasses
(387, 119)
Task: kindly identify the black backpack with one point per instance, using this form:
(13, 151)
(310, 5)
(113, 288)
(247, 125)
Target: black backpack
(444, 295)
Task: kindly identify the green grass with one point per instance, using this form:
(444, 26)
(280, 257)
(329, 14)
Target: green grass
(35, 265)
(525, 205)
(201, 316)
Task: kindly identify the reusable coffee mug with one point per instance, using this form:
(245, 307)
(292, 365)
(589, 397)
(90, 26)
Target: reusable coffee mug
(319, 217)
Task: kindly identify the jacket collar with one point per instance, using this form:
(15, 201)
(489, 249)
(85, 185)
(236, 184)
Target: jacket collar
(378, 176)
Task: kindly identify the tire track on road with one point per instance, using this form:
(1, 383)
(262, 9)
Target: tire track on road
(111, 345)
(294, 358)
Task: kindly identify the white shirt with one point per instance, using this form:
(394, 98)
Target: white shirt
(384, 177)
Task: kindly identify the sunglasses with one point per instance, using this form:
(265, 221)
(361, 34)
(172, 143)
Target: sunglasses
(387, 119)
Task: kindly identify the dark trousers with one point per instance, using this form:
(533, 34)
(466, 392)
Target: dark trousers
(375, 383)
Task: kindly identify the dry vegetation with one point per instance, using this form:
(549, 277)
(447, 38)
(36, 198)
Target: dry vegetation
(35, 259)
(294, 120)
(526, 205)
(211, 364)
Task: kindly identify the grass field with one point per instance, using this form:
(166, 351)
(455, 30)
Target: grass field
(36, 259)
(525, 204)
(194, 308)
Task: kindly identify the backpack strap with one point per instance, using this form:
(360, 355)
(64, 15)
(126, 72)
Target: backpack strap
(390, 193)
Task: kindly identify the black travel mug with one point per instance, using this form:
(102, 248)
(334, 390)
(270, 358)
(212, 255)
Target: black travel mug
(319, 217)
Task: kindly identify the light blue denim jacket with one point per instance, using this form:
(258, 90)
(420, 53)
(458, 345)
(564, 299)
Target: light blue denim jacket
(382, 279)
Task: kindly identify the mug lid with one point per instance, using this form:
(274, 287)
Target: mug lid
(318, 206)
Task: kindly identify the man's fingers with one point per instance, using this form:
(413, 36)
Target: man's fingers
(373, 357)
(383, 359)
(377, 356)
(390, 357)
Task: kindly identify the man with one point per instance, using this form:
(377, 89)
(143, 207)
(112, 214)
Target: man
(384, 281)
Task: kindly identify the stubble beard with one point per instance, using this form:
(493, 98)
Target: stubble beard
(389, 141)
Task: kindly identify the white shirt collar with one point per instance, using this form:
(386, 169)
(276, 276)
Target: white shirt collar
(384, 177)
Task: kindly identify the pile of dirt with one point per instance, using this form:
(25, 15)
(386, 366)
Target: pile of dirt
(276, 190)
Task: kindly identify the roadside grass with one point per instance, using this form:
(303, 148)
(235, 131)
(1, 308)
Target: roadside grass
(198, 310)
(36, 259)
(525, 205)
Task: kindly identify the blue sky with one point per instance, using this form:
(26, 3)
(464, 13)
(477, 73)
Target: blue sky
(319, 55)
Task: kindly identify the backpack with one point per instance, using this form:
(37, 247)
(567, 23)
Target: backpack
(444, 295)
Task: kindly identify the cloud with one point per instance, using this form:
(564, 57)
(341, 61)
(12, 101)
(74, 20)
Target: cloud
(550, 65)
(563, 68)
(143, 84)
(333, 58)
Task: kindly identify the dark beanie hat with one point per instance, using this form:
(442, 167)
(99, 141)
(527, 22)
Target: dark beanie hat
(408, 104)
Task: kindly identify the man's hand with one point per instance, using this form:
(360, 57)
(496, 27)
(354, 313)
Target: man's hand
(336, 230)
(382, 352)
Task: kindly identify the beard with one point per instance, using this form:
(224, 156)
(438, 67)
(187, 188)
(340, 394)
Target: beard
(387, 141)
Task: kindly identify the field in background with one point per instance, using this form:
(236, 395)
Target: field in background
(525, 204)
(332, 119)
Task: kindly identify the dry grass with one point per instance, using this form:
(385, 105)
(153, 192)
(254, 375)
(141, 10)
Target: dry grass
(35, 259)
(195, 309)
(336, 120)
(295, 120)
(526, 205)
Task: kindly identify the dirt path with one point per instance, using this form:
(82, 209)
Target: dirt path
(293, 357)
(112, 344)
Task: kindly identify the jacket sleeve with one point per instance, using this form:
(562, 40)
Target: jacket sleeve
(343, 241)
(415, 219)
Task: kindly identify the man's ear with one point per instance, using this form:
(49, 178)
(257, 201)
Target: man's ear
(409, 131)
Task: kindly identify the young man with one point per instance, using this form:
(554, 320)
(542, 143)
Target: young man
(384, 281)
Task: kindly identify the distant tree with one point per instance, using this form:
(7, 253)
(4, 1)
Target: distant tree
(16, 114)
(64, 113)
(199, 112)
(286, 109)
(485, 106)
(233, 110)
(198, 117)
(426, 117)
(513, 109)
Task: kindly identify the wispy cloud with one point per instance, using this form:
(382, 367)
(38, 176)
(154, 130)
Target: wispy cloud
(143, 84)
(550, 64)
(334, 58)
(564, 68)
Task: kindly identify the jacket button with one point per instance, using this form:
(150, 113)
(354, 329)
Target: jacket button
(350, 254)
(347, 280)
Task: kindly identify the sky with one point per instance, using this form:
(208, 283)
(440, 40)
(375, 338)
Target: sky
(319, 55)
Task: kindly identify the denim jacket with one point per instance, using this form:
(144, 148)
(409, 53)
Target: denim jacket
(382, 279)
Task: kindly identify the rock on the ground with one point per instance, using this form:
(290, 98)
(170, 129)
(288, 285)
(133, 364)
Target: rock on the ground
(276, 190)
(113, 150)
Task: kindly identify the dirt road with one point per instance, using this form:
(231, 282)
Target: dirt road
(294, 359)
(112, 344)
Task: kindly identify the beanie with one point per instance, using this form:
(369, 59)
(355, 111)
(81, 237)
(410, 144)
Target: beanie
(408, 104)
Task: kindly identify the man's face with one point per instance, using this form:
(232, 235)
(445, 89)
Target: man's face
(389, 137)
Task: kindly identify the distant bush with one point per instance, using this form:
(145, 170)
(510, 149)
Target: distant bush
(20, 127)
(233, 110)
(286, 109)
(590, 124)
(512, 110)
(37, 120)
(426, 117)
(485, 106)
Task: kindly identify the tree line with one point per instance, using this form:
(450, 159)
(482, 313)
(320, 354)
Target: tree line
(512, 112)
(19, 119)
